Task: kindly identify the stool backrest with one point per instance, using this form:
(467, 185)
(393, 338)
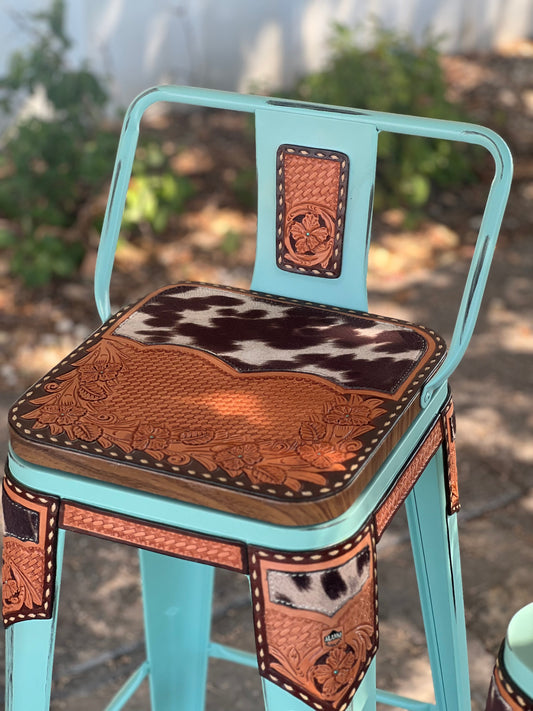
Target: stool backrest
(316, 168)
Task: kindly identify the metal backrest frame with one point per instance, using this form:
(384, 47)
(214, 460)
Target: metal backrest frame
(355, 133)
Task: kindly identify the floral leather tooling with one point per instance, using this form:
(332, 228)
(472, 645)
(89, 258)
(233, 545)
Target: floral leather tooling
(313, 184)
(260, 395)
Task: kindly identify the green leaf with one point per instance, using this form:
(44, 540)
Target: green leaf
(49, 167)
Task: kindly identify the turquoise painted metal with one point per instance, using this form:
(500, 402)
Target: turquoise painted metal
(435, 547)
(30, 646)
(129, 688)
(177, 594)
(177, 598)
(401, 702)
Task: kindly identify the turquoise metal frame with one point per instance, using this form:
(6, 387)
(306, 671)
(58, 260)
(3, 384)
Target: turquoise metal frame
(350, 289)
(173, 613)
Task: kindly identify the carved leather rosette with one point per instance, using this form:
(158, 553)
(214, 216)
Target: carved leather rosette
(316, 619)
(311, 190)
(28, 564)
(503, 693)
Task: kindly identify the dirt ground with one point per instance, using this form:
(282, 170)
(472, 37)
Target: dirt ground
(415, 274)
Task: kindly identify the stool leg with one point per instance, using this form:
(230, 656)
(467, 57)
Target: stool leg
(435, 543)
(276, 699)
(177, 597)
(30, 654)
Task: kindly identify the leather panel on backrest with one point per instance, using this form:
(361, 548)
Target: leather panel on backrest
(329, 134)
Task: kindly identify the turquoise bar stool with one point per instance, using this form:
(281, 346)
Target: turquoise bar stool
(511, 687)
(273, 431)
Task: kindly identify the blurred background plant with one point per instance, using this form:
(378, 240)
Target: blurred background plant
(389, 72)
(50, 164)
(54, 162)
(155, 193)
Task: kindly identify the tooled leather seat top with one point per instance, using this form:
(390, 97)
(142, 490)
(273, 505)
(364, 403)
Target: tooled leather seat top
(262, 396)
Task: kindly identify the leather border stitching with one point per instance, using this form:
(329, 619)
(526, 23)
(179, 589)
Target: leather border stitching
(332, 647)
(154, 537)
(36, 583)
(323, 259)
(507, 689)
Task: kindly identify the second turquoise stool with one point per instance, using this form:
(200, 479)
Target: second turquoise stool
(511, 687)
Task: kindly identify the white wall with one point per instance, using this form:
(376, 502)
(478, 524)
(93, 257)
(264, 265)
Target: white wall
(235, 44)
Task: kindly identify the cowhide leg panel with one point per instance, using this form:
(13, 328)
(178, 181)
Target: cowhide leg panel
(29, 553)
(316, 618)
(503, 693)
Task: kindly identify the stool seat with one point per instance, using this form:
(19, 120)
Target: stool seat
(287, 408)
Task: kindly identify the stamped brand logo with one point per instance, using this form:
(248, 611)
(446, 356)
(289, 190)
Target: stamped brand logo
(333, 638)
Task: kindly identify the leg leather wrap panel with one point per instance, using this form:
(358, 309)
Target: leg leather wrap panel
(316, 618)
(29, 553)
(449, 439)
(408, 478)
(442, 433)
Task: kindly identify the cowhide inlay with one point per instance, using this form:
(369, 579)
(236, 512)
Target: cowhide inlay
(257, 394)
(325, 591)
(254, 333)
